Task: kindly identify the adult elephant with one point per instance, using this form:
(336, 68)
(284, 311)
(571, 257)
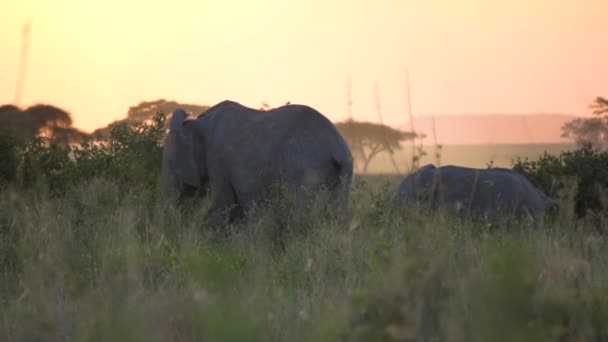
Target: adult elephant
(494, 195)
(239, 154)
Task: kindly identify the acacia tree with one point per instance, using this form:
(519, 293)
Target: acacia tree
(146, 110)
(366, 139)
(41, 120)
(590, 131)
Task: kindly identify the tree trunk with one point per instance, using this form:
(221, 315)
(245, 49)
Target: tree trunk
(369, 158)
(366, 164)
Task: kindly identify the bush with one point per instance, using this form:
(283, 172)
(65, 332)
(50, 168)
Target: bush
(584, 171)
(9, 148)
(41, 163)
(130, 155)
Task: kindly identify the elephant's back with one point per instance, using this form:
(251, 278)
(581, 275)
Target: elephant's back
(298, 120)
(297, 127)
(306, 146)
(291, 134)
(293, 144)
(285, 121)
(494, 188)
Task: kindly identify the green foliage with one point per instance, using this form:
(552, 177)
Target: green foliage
(582, 172)
(130, 155)
(9, 151)
(50, 165)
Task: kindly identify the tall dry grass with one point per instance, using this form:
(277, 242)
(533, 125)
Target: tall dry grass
(102, 262)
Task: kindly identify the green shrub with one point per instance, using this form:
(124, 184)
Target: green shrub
(137, 150)
(130, 155)
(584, 171)
(50, 165)
(9, 146)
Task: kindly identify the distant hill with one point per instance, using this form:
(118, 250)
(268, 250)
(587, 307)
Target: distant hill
(492, 128)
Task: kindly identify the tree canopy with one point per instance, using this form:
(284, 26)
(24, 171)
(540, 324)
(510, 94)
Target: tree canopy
(366, 139)
(590, 131)
(41, 120)
(146, 110)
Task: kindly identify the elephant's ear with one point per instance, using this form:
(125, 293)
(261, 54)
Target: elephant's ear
(190, 167)
(177, 119)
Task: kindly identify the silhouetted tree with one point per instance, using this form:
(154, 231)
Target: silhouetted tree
(68, 135)
(41, 120)
(145, 111)
(11, 117)
(593, 131)
(366, 139)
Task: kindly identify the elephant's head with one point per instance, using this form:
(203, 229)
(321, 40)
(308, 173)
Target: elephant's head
(183, 156)
(419, 186)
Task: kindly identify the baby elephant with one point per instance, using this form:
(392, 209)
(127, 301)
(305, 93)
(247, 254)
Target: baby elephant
(495, 195)
(241, 154)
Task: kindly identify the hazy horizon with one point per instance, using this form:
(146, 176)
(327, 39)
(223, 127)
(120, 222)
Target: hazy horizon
(464, 56)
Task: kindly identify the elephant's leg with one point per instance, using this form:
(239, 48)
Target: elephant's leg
(224, 204)
(187, 192)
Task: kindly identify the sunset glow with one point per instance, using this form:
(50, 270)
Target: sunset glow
(97, 58)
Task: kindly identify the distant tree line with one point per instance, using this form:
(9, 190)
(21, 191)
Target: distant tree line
(41, 120)
(367, 140)
(56, 125)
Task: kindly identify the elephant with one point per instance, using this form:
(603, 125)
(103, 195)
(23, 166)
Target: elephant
(492, 195)
(239, 154)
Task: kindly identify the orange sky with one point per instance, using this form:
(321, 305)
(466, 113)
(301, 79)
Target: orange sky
(96, 58)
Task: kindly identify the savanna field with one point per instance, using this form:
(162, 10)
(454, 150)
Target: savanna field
(182, 171)
(90, 251)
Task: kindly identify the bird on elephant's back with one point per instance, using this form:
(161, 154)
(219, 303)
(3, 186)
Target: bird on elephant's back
(240, 154)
